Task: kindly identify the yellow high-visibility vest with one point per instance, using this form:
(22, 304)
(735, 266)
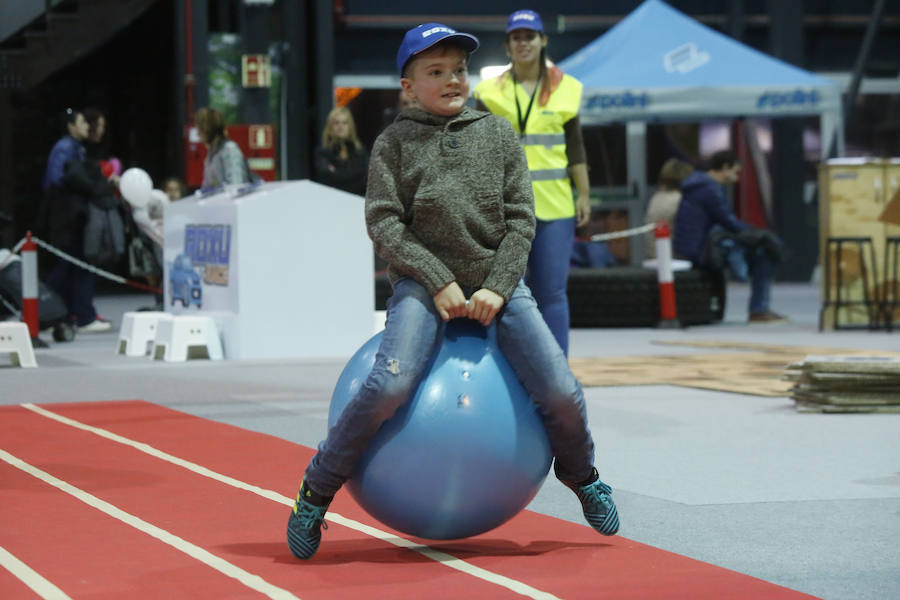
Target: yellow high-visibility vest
(544, 139)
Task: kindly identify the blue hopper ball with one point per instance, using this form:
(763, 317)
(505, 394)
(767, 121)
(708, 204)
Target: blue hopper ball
(464, 455)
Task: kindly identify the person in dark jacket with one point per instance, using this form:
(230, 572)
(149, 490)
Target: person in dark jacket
(70, 183)
(342, 161)
(95, 144)
(704, 212)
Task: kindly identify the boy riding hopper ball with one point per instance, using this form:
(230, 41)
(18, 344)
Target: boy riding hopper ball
(464, 455)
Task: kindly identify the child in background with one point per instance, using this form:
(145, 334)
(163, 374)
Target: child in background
(449, 206)
(174, 188)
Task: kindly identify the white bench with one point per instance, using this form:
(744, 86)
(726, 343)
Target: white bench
(138, 332)
(185, 337)
(15, 340)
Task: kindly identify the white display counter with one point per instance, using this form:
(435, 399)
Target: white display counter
(284, 268)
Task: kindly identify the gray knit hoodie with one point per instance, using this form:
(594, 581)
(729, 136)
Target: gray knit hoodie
(449, 199)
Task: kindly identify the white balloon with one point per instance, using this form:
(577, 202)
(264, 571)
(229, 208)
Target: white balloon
(136, 187)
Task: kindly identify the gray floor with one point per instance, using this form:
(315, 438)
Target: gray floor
(811, 502)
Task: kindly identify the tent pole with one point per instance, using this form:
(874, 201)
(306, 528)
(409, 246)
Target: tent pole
(636, 157)
(831, 133)
(763, 177)
(862, 58)
(735, 22)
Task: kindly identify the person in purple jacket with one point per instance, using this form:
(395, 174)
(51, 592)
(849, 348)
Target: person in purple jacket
(704, 215)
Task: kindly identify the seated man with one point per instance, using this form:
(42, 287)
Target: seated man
(703, 211)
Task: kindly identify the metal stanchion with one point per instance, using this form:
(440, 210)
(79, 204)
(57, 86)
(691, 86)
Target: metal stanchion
(30, 287)
(668, 316)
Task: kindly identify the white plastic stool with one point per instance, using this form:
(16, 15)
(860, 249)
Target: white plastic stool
(15, 339)
(184, 337)
(138, 332)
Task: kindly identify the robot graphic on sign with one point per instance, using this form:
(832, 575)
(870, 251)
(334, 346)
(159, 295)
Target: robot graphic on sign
(185, 282)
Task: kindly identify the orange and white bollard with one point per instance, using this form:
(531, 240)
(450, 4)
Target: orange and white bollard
(30, 286)
(667, 312)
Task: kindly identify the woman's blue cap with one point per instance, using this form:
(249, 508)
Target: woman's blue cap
(525, 19)
(425, 36)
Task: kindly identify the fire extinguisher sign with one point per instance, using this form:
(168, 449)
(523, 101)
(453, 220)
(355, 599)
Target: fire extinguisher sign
(260, 137)
(255, 71)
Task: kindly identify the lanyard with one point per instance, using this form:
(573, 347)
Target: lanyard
(523, 122)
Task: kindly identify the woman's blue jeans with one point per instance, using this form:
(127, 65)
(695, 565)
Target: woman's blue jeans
(411, 337)
(75, 286)
(548, 274)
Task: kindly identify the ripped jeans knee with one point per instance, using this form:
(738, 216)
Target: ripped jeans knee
(389, 386)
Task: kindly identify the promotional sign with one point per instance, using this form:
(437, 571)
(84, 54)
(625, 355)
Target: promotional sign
(199, 257)
(285, 269)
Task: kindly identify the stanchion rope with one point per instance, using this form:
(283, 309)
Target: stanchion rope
(12, 309)
(602, 237)
(12, 253)
(83, 265)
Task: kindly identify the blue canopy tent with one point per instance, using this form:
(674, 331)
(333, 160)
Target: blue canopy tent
(658, 64)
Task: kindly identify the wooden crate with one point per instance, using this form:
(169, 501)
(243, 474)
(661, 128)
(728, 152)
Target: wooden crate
(856, 200)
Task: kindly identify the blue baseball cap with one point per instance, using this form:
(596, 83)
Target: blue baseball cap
(425, 36)
(525, 19)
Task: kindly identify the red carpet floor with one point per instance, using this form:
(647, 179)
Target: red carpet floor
(102, 511)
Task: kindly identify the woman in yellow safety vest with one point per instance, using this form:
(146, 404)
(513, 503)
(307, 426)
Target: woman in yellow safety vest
(542, 104)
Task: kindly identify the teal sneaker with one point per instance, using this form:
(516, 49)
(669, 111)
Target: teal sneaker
(599, 508)
(303, 528)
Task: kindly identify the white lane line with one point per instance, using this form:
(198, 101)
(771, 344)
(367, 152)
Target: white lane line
(441, 557)
(250, 580)
(30, 577)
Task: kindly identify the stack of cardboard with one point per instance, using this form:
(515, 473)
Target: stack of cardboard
(846, 383)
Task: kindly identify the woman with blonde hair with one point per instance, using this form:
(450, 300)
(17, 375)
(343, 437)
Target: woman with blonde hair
(224, 163)
(342, 161)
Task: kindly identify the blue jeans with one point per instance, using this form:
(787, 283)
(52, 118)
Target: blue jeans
(762, 272)
(753, 263)
(410, 339)
(548, 274)
(733, 254)
(76, 288)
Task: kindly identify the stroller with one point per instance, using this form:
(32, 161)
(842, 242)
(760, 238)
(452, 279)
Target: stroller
(52, 311)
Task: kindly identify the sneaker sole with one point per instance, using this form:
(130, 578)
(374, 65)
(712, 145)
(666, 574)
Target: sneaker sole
(301, 547)
(607, 524)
